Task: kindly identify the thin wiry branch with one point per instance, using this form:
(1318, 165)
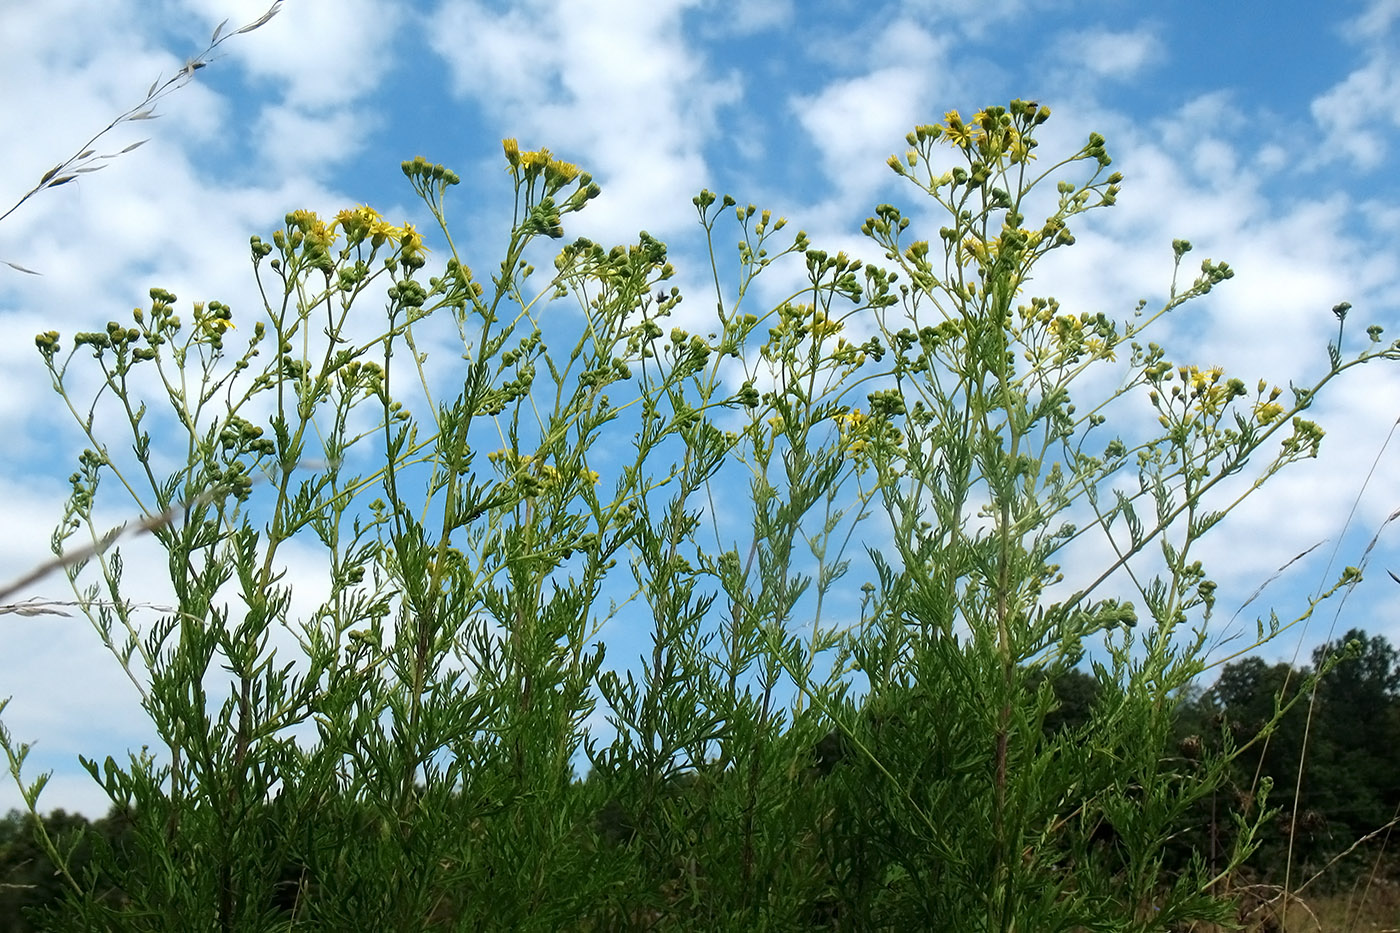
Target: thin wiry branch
(87, 160)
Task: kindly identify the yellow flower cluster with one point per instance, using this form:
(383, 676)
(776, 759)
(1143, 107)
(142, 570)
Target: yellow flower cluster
(991, 133)
(1205, 386)
(533, 474)
(537, 163)
(1268, 410)
(364, 222)
(860, 430)
(854, 425)
(796, 322)
(358, 224)
(824, 326)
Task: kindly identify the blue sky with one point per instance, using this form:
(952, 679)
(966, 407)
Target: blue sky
(1267, 134)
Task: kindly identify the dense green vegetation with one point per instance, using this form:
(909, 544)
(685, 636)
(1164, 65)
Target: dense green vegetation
(845, 851)
(796, 748)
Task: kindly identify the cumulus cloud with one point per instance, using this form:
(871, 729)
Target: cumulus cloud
(855, 122)
(1106, 53)
(620, 91)
(1354, 116)
(315, 53)
(742, 17)
(1375, 22)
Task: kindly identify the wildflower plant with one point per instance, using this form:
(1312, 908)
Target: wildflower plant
(408, 754)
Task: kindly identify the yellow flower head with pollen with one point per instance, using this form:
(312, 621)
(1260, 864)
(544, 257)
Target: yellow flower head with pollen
(956, 132)
(538, 163)
(411, 240)
(854, 426)
(357, 222)
(317, 232)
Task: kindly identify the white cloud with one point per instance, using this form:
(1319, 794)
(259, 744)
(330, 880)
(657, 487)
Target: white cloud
(1353, 116)
(289, 135)
(620, 91)
(856, 123)
(1352, 123)
(745, 17)
(316, 53)
(973, 17)
(1375, 22)
(1106, 53)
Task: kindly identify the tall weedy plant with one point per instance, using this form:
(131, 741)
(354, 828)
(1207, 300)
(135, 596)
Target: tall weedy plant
(406, 755)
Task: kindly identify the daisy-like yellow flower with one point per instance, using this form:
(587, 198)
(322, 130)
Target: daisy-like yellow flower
(1268, 412)
(823, 326)
(316, 231)
(854, 426)
(356, 222)
(1100, 349)
(1201, 380)
(956, 132)
(535, 161)
(1018, 149)
(411, 240)
(852, 420)
(381, 231)
(982, 251)
(562, 173)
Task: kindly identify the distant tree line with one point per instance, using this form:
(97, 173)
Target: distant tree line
(1333, 757)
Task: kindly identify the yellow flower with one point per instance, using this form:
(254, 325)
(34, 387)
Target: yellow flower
(1018, 149)
(854, 426)
(512, 149)
(956, 132)
(1067, 328)
(303, 219)
(535, 160)
(1268, 412)
(985, 252)
(312, 227)
(411, 240)
(381, 230)
(823, 326)
(357, 222)
(1100, 349)
(852, 420)
(562, 172)
(1203, 380)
